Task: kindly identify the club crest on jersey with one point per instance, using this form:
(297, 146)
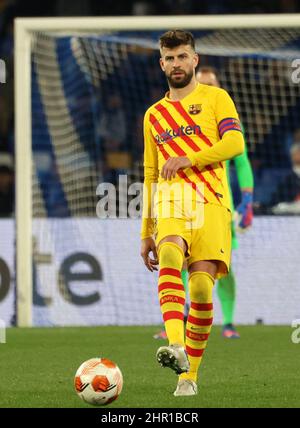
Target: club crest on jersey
(195, 108)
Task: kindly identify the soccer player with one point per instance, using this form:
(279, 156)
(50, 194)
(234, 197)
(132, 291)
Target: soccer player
(187, 135)
(226, 286)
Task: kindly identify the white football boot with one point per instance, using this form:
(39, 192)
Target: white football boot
(174, 357)
(186, 387)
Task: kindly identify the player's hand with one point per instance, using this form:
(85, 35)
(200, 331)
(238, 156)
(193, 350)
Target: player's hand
(148, 246)
(170, 168)
(245, 212)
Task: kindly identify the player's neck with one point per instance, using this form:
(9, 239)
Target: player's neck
(177, 94)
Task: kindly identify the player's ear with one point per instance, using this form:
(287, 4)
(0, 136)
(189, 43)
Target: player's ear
(196, 59)
(161, 63)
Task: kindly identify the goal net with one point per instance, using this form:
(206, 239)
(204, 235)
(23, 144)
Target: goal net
(89, 91)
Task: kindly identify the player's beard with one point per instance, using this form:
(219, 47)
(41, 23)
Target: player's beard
(182, 82)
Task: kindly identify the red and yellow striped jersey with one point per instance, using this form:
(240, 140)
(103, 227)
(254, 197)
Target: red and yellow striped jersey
(202, 126)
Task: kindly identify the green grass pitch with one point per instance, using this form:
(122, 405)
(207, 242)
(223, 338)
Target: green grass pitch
(259, 370)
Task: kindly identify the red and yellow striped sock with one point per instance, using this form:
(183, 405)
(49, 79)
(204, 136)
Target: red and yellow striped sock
(199, 321)
(171, 291)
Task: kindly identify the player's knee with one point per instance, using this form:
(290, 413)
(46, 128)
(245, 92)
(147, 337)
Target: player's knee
(201, 287)
(170, 254)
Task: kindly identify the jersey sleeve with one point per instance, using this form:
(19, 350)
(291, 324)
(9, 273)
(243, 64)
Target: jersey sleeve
(150, 178)
(226, 115)
(150, 150)
(231, 142)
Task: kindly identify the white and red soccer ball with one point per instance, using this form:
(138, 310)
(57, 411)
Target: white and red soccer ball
(98, 381)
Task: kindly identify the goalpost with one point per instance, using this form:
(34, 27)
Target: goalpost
(25, 33)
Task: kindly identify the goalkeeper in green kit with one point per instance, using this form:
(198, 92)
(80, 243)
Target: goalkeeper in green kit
(226, 287)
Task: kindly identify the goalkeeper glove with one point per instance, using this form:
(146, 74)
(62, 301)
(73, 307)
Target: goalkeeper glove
(245, 211)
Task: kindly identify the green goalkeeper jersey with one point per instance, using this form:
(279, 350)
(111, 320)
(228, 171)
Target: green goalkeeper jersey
(243, 170)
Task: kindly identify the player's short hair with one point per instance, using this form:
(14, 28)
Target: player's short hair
(174, 38)
(207, 69)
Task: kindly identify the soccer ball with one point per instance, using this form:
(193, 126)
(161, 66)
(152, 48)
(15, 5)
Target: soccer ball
(98, 381)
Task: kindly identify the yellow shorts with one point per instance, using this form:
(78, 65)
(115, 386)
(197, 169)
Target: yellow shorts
(207, 238)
